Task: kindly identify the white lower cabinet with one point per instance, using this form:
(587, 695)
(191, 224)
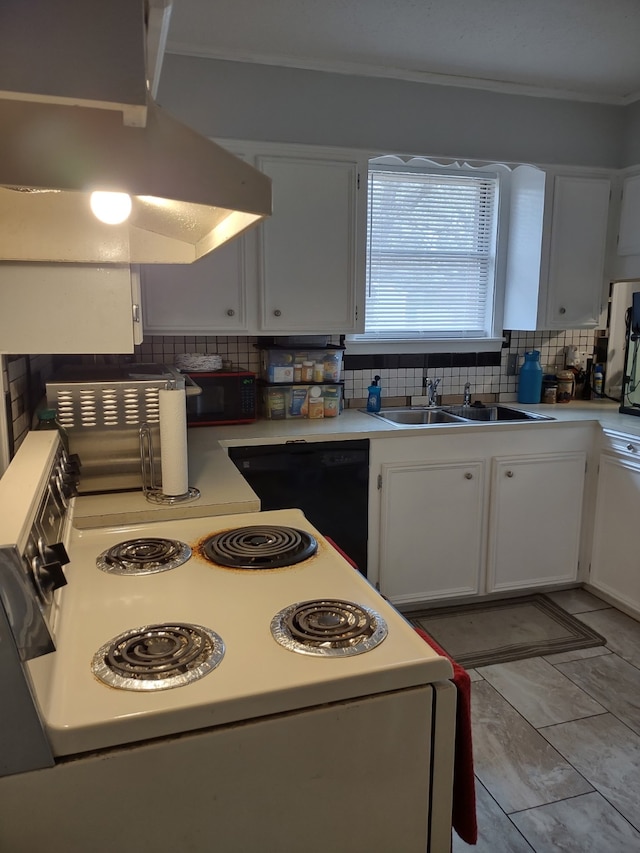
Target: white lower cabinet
(535, 514)
(431, 530)
(615, 563)
(443, 525)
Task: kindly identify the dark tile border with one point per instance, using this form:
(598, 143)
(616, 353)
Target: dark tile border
(422, 360)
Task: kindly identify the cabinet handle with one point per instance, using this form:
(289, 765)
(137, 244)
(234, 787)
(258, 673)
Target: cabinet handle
(468, 475)
(135, 311)
(509, 473)
(277, 313)
(231, 313)
(632, 448)
(562, 310)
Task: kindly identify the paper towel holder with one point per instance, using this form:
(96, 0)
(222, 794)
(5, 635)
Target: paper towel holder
(151, 490)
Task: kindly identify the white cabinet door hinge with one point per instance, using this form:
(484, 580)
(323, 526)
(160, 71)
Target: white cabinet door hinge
(379, 481)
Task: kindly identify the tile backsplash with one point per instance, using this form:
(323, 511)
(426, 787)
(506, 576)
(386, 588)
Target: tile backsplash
(24, 378)
(401, 375)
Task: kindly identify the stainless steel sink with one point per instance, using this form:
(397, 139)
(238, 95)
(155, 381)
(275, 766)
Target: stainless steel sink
(494, 413)
(420, 416)
(425, 416)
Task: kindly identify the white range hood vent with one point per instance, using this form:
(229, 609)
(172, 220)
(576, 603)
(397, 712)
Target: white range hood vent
(188, 194)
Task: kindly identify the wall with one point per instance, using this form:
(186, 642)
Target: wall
(631, 136)
(237, 100)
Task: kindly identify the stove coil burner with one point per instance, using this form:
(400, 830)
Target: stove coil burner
(158, 657)
(328, 628)
(143, 556)
(260, 547)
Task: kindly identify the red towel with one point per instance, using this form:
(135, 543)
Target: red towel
(341, 552)
(464, 789)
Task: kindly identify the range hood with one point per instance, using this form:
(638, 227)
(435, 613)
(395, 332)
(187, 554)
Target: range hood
(188, 194)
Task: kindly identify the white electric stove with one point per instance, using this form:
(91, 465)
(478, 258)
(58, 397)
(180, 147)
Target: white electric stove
(240, 666)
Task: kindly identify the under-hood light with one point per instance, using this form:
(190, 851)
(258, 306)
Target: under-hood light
(111, 208)
(188, 194)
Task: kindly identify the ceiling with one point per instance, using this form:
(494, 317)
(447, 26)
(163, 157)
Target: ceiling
(578, 49)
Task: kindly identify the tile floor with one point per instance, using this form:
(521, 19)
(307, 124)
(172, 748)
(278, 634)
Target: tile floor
(557, 744)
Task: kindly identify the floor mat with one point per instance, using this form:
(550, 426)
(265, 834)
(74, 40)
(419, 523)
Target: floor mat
(500, 631)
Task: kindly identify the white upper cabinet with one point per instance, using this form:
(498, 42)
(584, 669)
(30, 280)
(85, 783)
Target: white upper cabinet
(310, 251)
(206, 297)
(555, 276)
(301, 271)
(629, 230)
(69, 308)
(626, 258)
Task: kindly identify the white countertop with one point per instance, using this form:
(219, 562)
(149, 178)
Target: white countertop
(224, 490)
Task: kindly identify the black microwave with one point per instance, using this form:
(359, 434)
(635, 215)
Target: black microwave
(226, 397)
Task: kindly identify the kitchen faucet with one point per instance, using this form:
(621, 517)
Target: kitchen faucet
(431, 385)
(467, 394)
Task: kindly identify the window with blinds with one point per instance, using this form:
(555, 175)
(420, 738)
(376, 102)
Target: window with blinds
(431, 253)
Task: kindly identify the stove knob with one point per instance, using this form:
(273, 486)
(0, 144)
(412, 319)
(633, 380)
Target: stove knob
(72, 465)
(69, 484)
(55, 553)
(47, 577)
(66, 489)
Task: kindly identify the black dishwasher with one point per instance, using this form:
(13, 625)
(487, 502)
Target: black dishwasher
(328, 481)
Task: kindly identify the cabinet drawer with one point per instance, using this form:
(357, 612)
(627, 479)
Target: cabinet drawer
(616, 442)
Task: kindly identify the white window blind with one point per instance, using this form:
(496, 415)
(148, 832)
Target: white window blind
(431, 247)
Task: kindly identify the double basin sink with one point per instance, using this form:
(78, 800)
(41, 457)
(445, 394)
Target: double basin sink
(431, 415)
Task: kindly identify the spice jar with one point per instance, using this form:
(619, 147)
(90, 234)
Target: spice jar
(566, 382)
(549, 393)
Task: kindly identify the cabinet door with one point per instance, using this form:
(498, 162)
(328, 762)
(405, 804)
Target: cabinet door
(577, 252)
(202, 298)
(629, 231)
(310, 248)
(431, 530)
(615, 561)
(535, 516)
(68, 308)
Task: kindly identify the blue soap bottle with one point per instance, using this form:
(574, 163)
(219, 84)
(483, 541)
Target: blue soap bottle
(373, 397)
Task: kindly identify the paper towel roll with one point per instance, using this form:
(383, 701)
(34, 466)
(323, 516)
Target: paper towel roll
(173, 441)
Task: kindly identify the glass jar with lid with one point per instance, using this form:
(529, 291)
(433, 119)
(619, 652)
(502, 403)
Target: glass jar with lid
(566, 385)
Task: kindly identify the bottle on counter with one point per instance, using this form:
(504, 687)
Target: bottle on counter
(598, 380)
(530, 379)
(48, 420)
(374, 400)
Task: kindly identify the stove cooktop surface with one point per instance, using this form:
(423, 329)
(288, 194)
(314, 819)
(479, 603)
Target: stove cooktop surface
(256, 676)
